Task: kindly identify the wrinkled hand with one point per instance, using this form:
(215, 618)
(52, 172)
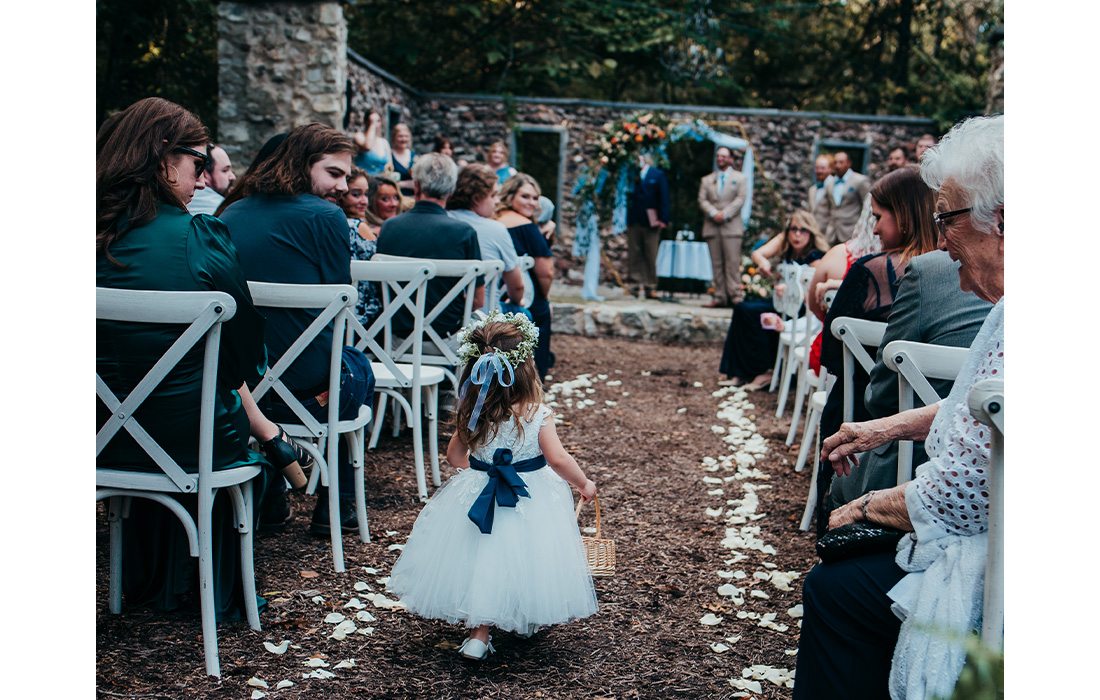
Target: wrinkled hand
(588, 490)
(841, 447)
(846, 514)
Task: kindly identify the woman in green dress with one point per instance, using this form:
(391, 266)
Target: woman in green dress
(149, 161)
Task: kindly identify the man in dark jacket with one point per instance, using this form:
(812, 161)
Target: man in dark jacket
(647, 216)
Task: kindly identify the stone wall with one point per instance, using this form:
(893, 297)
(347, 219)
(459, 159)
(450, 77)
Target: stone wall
(784, 141)
(280, 65)
(371, 88)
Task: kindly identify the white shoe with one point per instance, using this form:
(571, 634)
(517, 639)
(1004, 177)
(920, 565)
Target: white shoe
(476, 649)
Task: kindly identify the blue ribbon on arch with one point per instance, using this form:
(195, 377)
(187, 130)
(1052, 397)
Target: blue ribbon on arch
(504, 488)
(489, 365)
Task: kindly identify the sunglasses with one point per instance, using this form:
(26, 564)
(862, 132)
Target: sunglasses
(942, 219)
(799, 229)
(204, 159)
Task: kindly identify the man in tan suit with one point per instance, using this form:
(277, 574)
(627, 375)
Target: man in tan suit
(844, 196)
(721, 196)
(815, 197)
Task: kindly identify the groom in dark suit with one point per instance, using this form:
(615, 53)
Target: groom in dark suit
(647, 216)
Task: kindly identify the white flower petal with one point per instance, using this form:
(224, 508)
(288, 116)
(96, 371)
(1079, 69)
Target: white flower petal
(314, 662)
(710, 619)
(318, 599)
(395, 547)
(346, 663)
(334, 617)
(391, 533)
(365, 616)
(284, 684)
(355, 603)
(796, 611)
(362, 586)
(370, 569)
(257, 694)
(277, 648)
(255, 682)
(719, 648)
(365, 630)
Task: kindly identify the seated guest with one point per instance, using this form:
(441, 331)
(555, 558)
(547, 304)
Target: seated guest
(402, 157)
(216, 179)
(902, 206)
(749, 352)
(474, 201)
(496, 157)
(852, 643)
(929, 308)
(288, 227)
(373, 152)
(150, 158)
(517, 211)
(383, 201)
(427, 232)
(443, 145)
(363, 242)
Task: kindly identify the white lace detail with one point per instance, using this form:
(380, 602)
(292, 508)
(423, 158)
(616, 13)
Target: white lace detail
(952, 486)
(523, 446)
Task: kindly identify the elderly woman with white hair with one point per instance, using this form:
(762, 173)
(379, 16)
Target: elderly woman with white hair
(892, 623)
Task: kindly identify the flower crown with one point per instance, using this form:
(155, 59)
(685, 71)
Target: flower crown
(468, 350)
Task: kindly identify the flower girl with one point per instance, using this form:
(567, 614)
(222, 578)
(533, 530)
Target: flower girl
(498, 544)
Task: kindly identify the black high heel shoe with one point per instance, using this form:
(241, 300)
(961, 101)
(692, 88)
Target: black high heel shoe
(288, 457)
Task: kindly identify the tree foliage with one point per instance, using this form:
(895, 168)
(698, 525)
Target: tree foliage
(865, 56)
(164, 48)
(921, 57)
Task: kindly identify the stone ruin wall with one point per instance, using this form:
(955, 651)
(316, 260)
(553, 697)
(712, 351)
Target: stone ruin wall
(280, 65)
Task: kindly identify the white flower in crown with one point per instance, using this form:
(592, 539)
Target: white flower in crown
(469, 351)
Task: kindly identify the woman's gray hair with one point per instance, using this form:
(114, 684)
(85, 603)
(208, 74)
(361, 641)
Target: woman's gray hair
(972, 155)
(436, 174)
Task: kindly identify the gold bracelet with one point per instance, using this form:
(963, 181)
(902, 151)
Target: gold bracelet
(866, 501)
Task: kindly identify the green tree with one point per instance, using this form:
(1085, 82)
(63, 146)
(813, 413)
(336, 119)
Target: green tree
(165, 48)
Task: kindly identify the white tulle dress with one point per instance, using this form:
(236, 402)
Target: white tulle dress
(530, 571)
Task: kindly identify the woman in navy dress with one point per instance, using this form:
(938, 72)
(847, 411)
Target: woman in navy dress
(518, 210)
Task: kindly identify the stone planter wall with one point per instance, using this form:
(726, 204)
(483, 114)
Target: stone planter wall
(643, 322)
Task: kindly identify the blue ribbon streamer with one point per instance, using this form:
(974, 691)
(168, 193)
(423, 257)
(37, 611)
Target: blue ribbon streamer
(487, 366)
(504, 487)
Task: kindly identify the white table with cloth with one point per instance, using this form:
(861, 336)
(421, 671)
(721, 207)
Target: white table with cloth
(683, 266)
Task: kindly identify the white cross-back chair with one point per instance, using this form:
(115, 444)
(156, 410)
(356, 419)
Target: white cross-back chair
(796, 328)
(799, 357)
(204, 312)
(986, 401)
(787, 275)
(404, 285)
(494, 285)
(336, 304)
(855, 334)
(812, 436)
(915, 364)
(438, 350)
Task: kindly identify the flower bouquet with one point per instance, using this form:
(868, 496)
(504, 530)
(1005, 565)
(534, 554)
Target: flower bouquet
(754, 284)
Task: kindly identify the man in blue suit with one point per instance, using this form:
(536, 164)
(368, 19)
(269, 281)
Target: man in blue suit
(647, 215)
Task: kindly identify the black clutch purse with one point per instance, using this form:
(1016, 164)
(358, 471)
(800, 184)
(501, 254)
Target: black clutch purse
(856, 539)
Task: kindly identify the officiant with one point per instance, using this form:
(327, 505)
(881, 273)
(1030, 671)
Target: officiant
(721, 196)
(647, 216)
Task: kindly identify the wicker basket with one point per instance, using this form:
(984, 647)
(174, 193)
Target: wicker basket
(599, 551)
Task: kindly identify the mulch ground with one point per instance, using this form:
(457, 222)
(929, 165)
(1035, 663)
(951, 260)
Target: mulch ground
(645, 453)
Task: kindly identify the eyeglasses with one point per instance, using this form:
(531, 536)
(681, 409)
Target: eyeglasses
(799, 229)
(204, 159)
(942, 219)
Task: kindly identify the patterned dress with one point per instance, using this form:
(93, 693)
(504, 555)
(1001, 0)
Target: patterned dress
(369, 305)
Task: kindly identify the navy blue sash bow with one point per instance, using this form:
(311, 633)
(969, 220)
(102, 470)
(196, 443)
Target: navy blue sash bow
(504, 487)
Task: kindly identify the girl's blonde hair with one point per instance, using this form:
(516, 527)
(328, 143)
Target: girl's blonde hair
(501, 402)
(803, 219)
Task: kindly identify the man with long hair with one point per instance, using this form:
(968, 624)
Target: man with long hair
(287, 226)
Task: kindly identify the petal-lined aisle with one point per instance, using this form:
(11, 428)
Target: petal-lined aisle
(697, 490)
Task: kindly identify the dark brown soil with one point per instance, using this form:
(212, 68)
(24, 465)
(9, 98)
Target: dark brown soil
(646, 640)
